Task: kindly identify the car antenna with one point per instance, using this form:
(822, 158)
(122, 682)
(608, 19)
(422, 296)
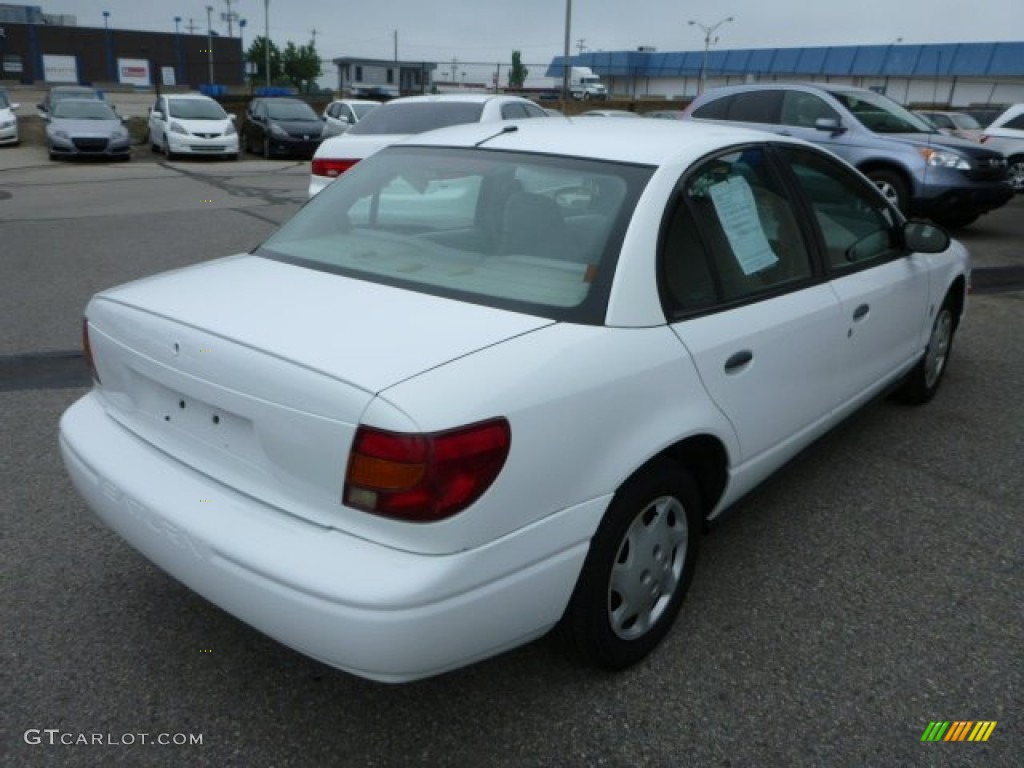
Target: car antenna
(504, 129)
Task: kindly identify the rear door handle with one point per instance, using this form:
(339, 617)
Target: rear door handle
(738, 361)
(861, 312)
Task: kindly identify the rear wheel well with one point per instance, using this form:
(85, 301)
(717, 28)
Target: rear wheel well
(955, 298)
(706, 459)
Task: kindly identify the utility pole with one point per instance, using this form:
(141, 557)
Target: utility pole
(314, 33)
(230, 17)
(191, 26)
(581, 45)
(209, 39)
(455, 68)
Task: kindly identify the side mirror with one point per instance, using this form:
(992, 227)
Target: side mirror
(924, 237)
(829, 125)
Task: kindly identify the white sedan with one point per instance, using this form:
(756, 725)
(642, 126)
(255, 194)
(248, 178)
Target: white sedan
(494, 380)
(400, 118)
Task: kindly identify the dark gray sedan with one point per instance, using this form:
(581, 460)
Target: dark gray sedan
(81, 128)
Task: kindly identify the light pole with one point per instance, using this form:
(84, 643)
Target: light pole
(565, 54)
(209, 40)
(708, 42)
(885, 62)
(266, 36)
(110, 49)
(241, 43)
(177, 46)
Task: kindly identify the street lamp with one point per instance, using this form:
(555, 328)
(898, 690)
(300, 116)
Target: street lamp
(885, 62)
(209, 40)
(565, 54)
(266, 36)
(241, 43)
(110, 47)
(708, 42)
(177, 45)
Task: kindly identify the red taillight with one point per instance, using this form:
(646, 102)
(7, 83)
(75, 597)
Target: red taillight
(87, 351)
(330, 167)
(983, 138)
(424, 477)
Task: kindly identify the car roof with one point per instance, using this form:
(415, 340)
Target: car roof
(643, 142)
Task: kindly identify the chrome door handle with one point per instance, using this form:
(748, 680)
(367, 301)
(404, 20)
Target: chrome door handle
(861, 312)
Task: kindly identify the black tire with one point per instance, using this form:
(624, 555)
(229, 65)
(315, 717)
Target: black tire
(893, 186)
(923, 381)
(1015, 170)
(646, 544)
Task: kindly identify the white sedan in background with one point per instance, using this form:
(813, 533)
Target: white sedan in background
(494, 380)
(404, 117)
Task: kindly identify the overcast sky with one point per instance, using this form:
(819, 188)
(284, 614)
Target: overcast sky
(489, 30)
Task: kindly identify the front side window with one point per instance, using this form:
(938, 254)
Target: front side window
(732, 236)
(527, 232)
(803, 110)
(855, 222)
(881, 114)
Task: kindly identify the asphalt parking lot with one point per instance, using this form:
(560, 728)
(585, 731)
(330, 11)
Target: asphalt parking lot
(872, 587)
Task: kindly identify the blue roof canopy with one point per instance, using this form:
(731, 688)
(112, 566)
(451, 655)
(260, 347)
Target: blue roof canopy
(1004, 59)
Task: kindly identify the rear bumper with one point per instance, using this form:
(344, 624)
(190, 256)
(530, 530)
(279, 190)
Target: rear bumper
(371, 610)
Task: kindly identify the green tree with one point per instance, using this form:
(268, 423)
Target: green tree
(302, 66)
(257, 54)
(517, 75)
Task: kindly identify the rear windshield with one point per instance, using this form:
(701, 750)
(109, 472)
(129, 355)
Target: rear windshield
(196, 109)
(417, 117)
(531, 233)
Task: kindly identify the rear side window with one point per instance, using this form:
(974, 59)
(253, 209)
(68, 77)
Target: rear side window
(755, 107)
(716, 109)
(1015, 122)
(733, 236)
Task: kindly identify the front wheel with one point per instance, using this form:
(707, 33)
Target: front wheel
(893, 187)
(924, 378)
(638, 569)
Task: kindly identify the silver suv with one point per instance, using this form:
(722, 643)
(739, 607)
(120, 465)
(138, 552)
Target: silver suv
(920, 170)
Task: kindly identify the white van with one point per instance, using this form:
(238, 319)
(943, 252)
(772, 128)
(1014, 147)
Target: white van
(192, 124)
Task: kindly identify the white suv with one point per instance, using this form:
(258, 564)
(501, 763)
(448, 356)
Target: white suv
(1006, 134)
(192, 124)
